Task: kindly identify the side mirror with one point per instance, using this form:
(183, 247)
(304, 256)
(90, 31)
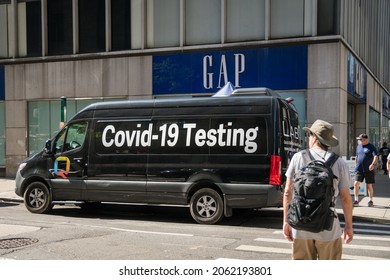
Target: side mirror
(48, 147)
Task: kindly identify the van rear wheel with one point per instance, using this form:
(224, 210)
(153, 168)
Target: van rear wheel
(206, 206)
(37, 198)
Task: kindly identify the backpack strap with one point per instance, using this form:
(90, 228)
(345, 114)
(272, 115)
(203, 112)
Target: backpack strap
(332, 159)
(307, 156)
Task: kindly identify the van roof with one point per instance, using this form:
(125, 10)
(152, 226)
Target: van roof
(236, 99)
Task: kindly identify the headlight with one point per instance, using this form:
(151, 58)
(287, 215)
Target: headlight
(21, 166)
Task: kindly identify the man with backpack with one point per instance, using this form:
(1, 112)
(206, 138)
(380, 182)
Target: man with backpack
(315, 178)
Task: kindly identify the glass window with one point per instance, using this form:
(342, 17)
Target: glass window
(137, 24)
(59, 27)
(327, 17)
(203, 22)
(75, 136)
(287, 18)
(120, 25)
(245, 20)
(2, 134)
(374, 130)
(92, 22)
(44, 120)
(385, 129)
(33, 27)
(163, 23)
(39, 125)
(4, 30)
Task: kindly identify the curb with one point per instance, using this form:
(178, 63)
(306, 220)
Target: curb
(17, 200)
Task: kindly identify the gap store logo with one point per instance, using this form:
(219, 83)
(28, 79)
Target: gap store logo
(278, 68)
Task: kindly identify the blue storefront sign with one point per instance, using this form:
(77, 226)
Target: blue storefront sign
(278, 68)
(357, 78)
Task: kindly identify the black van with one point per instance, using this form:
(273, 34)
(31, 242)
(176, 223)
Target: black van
(212, 154)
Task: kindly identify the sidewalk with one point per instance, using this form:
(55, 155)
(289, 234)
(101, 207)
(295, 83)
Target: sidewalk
(379, 213)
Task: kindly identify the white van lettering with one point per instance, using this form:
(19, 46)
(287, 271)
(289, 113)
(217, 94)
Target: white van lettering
(170, 134)
(106, 143)
(290, 131)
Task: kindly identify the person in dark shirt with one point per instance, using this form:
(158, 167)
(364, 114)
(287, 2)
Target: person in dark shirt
(384, 152)
(366, 157)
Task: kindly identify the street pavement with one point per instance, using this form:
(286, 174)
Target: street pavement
(379, 213)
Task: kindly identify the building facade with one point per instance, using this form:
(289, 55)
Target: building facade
(331, 56)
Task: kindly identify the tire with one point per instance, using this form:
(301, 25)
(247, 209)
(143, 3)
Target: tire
(37, 198)
(206, 206)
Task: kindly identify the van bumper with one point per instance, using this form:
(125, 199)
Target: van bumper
(19, 180)
(252, 196)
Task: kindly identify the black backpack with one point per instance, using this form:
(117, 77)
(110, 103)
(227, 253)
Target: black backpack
(312, 206)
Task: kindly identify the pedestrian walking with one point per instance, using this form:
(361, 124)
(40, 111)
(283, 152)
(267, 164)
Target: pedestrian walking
(366, 158)
(326, 244)
(388, 164)
(384, 152)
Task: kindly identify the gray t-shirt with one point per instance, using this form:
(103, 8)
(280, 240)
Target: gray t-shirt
(343, 180)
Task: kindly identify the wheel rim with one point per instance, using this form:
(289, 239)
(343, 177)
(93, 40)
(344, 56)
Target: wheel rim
(206, 206)
(37, 198)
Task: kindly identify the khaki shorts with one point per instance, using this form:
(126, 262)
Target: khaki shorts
(316, 249)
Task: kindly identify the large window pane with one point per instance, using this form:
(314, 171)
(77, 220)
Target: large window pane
(120, 25)
(327, 17)
(203, 22)
(163, 22)
(44, 120)
(374, 124)
(34, 28)
(137, 24)
(2, 134)
(287, 18)
(92, 21)
(4, 31)
(385, 129)
(245, 20)
(39, 125)
(59, 27)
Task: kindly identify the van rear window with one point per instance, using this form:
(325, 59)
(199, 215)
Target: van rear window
(185, 136)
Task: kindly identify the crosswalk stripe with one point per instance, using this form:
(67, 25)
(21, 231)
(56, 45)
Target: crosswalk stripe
(349, 246)
(358, 230)
(289, 252)
(272, 240)
(359, 237)
(264, 249)
(353, 257)
(370, 225)
(367, 247)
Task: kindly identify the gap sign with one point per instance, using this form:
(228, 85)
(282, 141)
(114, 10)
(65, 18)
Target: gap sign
(278, 68)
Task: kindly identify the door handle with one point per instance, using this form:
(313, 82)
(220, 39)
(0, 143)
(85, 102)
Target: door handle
(78, 160)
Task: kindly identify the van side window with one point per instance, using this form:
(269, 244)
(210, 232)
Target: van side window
(71, 138)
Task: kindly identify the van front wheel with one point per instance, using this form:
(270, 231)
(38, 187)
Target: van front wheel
(206, 206)
(37, 198)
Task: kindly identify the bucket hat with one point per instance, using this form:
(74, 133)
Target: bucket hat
(324, 133)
